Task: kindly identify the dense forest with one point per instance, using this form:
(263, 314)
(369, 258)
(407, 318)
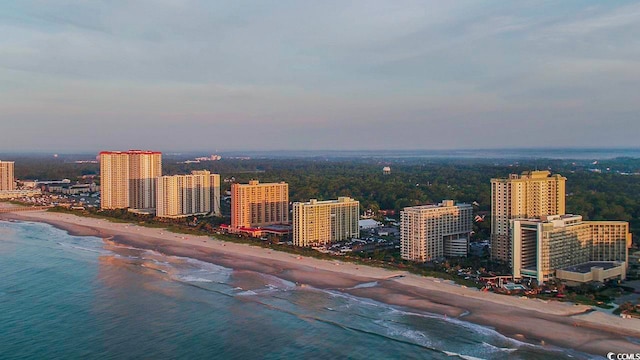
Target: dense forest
(605, 190)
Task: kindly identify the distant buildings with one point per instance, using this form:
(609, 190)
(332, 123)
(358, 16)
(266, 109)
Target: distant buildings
(567, 248)
(209, 158)
(323, 222)
(128, 179)
(186, 195)
(7, 180)
(386, 170)
(433, 231)
(530, 195)
(257, 205)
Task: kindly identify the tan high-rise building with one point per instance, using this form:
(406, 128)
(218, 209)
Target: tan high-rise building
(530, 195)
(322, 222)
(186, 195)
(144, 168)
(114, 180)
(7, 180)
(128, 179)
(257, 205)
(432, 231)
(543, 246)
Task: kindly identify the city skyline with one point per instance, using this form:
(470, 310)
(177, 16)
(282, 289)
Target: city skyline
(330, 75)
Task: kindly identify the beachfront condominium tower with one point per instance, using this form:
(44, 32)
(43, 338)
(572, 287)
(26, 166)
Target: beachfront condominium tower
(322, 222)
(567, 247)
(432, 231)
(114, 180)
(186, 195)
(144, 168)
(7, 181)
(128, 179)
(256, 205)
(530, 195)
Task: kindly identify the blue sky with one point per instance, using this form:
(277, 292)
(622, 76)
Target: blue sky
(180, 75)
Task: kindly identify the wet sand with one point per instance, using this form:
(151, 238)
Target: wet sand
(535, 321)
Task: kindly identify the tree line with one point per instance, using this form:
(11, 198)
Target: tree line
(596, 194)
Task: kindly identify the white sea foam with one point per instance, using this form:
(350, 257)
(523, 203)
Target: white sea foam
(474, 328)
(466, 357)
(194, 279)
(247, 293)
(96, 250)
(397, 330)
(154, 268)
(189, 269)
(356, 299)
(366, 285)
(120, 246)
(497, 348)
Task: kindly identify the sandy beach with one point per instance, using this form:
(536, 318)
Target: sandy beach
(535, 321)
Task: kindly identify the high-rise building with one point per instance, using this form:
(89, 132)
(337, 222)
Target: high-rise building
(530, 195)
(7, 180)
(114, 180)
(322, 222)
(257, 205)
(127, 179)
(543, 246)
(432, 231)
(186, 195)
(144, 168)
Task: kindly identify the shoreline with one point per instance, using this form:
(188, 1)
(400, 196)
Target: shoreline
(527, 320)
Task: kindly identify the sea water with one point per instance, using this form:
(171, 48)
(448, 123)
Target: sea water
(69, 297)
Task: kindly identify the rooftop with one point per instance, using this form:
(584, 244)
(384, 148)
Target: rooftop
(341, 199)
(443, 204)
(586, 267)
(130, 152)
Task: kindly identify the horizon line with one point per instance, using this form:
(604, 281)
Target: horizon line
(87, 152)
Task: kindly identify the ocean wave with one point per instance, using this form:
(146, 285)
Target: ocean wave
(366, 285)
(481, 330)
(185, 269)
(277, 284)
(154, 268)
(393, 329)
(95, 250)
(193, 279)
(247, 293)
(466, 357)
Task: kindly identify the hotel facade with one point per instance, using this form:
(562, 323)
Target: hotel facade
(7, 179)
(128, 179)
(433, 231)
(257, 205)
(187, 195)
(567, 248)
(530, 195)
(323, 222)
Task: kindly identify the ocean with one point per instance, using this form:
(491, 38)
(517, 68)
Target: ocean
(69, 297)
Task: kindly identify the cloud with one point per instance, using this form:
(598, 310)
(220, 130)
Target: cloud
(593, 20)
(292, 74)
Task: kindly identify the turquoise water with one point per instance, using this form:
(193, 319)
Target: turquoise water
(67, 297)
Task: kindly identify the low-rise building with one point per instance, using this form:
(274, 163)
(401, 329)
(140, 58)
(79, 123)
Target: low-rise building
(14, 194)
(368, 224)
